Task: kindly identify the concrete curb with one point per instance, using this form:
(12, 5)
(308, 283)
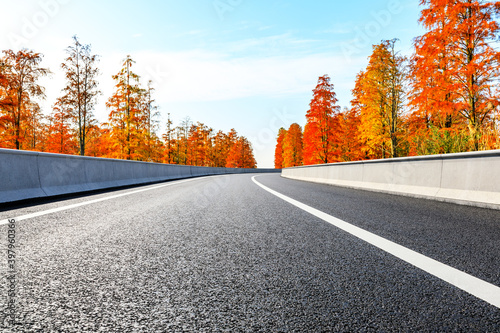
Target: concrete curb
(28, 175)
(466, 178)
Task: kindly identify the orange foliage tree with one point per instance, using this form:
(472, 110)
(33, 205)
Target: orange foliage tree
(278, 152)
(319, 134)
(351, 144)
(21, 72)
(220, 149)
(200, 144)
(150, 124)
(378, 95)
(292, 146)
(169, 142)
(455, 66)
(125, 114)
(241, 155)
(61, 138)
(34, 132)
(4, 103)
(99, 142)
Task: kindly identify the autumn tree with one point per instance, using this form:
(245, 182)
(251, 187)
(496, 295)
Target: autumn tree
(292, 146)
(125, 114)
(319, 132)
(219, 149)
(350, 142)
(379, 95)
(21, 72)
(241, 155)
(61, 138)
(200, 144)
(195, 145)
(430, 96)
(205, 151)
(100, 141)
(81, 91)
(455, 66)
(278, 152)
(150, 124)
(182, 140)
(169, 142)
(4, 102)
(35, 132)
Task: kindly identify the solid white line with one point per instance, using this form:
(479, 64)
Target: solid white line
(80, 204)
(477, 287)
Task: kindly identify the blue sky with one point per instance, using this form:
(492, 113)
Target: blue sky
(245, 64)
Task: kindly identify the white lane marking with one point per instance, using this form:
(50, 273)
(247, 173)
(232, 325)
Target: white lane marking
(477, 287)
(60, 209)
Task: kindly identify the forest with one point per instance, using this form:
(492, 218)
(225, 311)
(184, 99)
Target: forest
(131, 131)
(442, 99)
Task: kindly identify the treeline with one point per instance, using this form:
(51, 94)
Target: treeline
(442, 99)
(132, 128)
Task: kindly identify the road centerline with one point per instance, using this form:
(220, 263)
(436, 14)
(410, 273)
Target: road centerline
(468, 283)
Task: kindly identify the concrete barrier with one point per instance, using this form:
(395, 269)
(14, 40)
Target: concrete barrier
(28, 175)
(19, 177)
(465, 178)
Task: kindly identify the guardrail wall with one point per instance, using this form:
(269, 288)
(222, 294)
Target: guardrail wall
(465, 178)
(27, 175)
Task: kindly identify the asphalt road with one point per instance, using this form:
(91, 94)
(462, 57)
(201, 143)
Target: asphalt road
(221, 254)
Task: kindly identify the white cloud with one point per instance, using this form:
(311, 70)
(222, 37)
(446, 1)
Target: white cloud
(206, 76)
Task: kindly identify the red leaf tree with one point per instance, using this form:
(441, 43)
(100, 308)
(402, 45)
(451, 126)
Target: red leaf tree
(319, 132)
(21, 72)
(292, 146)
(278, 152)
(455, 65)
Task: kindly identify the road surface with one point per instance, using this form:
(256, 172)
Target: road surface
(225, 254)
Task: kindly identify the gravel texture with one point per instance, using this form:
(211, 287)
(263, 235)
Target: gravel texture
(219, 254)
